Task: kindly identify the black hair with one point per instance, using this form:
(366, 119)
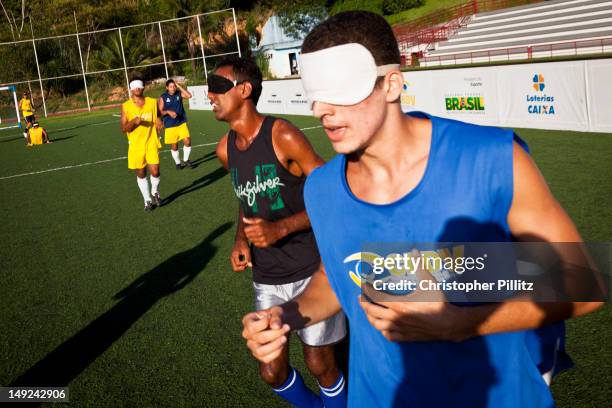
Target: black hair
(170, 81)
(363, 27)
(245, 70)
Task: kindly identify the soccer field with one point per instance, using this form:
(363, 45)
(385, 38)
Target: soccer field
(129, 308)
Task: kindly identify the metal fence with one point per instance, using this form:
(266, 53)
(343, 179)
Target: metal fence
(86, 70)
(565, 49)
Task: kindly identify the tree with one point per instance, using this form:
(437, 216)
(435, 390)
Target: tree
(109, 55)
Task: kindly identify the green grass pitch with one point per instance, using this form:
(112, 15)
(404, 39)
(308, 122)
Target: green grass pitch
(140, 309)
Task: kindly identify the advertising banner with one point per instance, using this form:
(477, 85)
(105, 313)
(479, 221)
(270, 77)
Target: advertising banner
(543, 96)
(599, 91)
(469, 95)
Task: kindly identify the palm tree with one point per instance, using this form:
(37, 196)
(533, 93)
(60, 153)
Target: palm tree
(137, 53)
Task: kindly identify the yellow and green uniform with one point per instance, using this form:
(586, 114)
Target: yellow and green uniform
(144, 143)
(36, 135)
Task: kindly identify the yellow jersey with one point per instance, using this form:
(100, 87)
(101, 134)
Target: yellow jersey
(26, 107)
(36, 135)
(146, 132)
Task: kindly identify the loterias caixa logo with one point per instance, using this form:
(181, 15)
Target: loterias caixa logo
(540, 103)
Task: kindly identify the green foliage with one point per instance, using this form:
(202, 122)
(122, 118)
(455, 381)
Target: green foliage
(396, 6)
(374, 6)
(180, 8)
(264, 64)
(136, 53)
(298, 19)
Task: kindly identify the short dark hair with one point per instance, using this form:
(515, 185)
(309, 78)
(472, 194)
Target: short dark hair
(137, 78)
(363, 27)
(245, 70)
(170, 81)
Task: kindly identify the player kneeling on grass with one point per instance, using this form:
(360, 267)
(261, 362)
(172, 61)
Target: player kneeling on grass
(37, 135)
(170, 105)
(140, 122)
(418, 178)
(269, 160)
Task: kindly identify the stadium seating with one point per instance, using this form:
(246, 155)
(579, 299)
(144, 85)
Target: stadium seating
(546, 29)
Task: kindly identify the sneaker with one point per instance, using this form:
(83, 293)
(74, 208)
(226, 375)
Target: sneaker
(179, 166)
(188, 164)
(148, 206)
(156, 200)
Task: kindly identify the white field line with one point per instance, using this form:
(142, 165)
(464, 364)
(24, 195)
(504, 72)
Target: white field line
(74, 166)
(66, 128)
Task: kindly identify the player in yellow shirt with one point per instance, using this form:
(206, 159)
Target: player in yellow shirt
(139, 120)
(37, 135)
(27, 111)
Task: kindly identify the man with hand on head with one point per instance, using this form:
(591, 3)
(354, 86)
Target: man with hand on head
(269, 160)
(140, 122)
(417, 178)
(170, 105)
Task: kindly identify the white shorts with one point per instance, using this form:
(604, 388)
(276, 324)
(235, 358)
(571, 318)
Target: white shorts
(324, 333)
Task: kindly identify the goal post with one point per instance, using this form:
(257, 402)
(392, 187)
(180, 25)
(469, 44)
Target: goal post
(9, 108)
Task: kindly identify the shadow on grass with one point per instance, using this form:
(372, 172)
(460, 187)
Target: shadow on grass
(195, 185)
(69, 359)
(59, 139)
(12, 139)
(207, 157)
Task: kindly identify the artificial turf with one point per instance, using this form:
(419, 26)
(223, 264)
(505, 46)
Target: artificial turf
(129, 308)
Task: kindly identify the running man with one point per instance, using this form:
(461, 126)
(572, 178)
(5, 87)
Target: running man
(422, 179)
(37, 135)
(269, 160)
(140, 122)
(170, 106)
(27, 111)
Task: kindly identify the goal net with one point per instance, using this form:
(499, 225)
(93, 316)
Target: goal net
(9, 110)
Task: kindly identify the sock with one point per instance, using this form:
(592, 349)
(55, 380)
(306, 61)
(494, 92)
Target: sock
(335, 396)
(186, 152)
(25, 134)
(143, 185)
(176, 156)
(296, 393)
(154, 185)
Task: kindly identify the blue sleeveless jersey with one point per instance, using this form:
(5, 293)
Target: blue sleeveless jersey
(174, 103)
(464, 196)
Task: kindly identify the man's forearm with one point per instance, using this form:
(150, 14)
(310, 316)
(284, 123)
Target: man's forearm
(240, 235)
(518, 315)
(129, 127)
(580, 282)
(318, 302)
(294, 223)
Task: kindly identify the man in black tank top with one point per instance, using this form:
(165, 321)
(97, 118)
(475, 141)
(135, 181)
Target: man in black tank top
(269, 160)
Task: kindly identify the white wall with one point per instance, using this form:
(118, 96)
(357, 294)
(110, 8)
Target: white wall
(572, 95)
(279, 62)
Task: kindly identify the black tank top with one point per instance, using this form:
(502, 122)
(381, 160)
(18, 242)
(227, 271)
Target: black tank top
(269, 191)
